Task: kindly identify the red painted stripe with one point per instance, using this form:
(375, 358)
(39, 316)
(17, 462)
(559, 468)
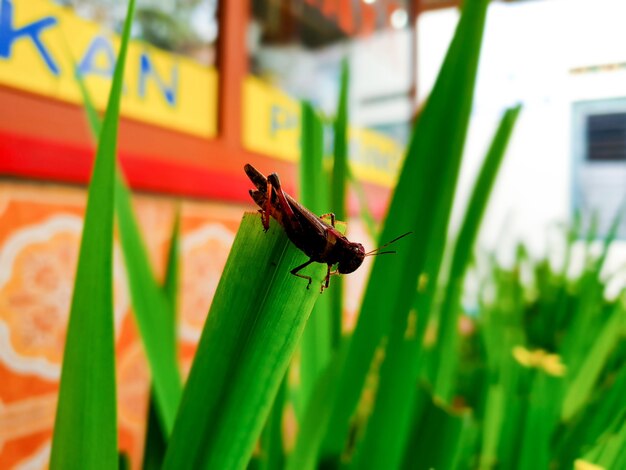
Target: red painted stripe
(32, 158)
(165, 177)
(45, 160)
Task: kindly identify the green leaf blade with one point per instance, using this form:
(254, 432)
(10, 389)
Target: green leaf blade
(340, 147)
(85, 434)
(153, 312)
(256, 319)
(339, 189)
(585, 377)
(156, 436)
(421, 203)
(447, 353)
(154, 307)
(317, 340)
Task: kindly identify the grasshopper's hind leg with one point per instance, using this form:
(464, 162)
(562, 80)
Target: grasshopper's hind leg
(295, 271)
(267, 210)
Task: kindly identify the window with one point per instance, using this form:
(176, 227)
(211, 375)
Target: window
(599, 166)
(297, 47)
(186, 27)
(606, 137)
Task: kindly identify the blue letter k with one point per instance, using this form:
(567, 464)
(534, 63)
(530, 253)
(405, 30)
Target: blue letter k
(8, 35)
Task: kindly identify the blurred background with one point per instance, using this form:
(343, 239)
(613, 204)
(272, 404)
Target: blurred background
(212, 85)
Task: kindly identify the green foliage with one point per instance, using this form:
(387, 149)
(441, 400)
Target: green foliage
(153, 312)
(537, 382)
(317, 342)
(447, 353)
(340, 146)
(338, 191)
(364, 212)
(87, 402)
(256, 319)
(156, 434)
(154, 307)
(421, 202)
(316, 418)
(538, 410)
(440, 437)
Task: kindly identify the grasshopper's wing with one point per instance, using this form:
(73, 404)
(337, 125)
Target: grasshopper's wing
(259, 195)
(307, 218)
(297, 218)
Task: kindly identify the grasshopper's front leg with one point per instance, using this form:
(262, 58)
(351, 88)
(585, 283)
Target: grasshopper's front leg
(326, 282)
(332, 217)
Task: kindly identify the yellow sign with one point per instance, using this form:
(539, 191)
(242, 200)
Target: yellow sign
(271, 121)
(271, 126)
(40, 42)
(374, 157)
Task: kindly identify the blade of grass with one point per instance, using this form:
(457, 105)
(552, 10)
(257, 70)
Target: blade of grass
(85, 433)
(338, 189)
(438, 438)
(156, 435)
(421, 202)
(586, 319)
(316, 417)
(317, 341)
(586, 376)
(156, 439)
(314, 190)
(272, 453)
(150, 305)
(172, 273)
(123, 461)
(560, 308)
(364, 211)
(254, 324)
(590, 424)
(540, 421)
(152, 312)
(493, 417)
(609, 452)
(501, 330)
(447, 354)
(340, 146)
(93, 119)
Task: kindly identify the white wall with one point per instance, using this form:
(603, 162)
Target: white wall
(529, 51)
(380, 66)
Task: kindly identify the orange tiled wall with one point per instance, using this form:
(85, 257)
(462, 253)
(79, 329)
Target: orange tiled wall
(40, 227)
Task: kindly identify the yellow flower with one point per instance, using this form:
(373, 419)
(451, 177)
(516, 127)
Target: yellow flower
(581, 464)
(422, 282)
(540, 359)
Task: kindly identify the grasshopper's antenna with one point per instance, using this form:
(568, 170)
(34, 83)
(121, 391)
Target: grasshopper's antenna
(381, 253)
(374, 252)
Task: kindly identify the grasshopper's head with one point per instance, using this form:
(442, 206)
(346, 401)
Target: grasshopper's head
(351, 258)
(353, 255)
